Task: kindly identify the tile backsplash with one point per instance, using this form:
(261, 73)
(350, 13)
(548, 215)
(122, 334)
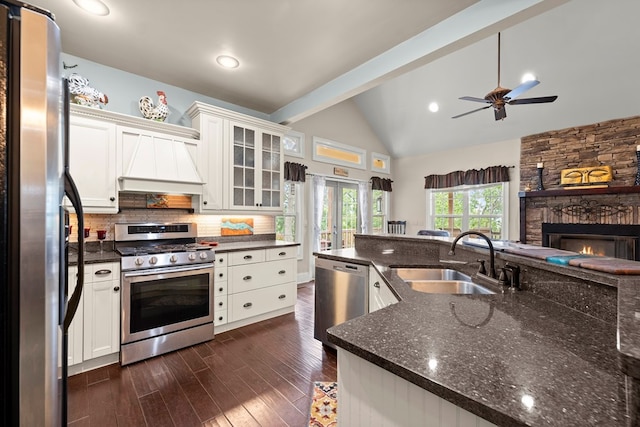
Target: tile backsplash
(208, 225)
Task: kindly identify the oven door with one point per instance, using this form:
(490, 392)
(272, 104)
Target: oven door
(159, 301)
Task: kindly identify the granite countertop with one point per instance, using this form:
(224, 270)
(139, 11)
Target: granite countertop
(493, 350)
(94, 256)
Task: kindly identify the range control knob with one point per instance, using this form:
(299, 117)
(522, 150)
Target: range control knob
(139, 261)
(192, 256)
(173, 258)
(153, 260)
(203, 255)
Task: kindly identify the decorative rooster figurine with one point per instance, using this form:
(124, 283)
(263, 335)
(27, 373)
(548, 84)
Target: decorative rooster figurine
(84, 94)
(154, 112)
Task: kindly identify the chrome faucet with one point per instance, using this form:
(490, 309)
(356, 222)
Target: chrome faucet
(492, 253)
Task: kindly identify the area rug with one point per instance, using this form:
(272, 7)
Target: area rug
(324, 405)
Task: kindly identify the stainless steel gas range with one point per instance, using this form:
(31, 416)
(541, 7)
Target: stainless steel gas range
(167, 289)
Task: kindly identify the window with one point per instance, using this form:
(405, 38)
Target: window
(474, 207)
(293, 143)
(327, 151)
(288, 225)
(380, 163)
(379, 211)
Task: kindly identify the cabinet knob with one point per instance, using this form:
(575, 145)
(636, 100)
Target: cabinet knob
(246, 278)
(221, 260)
(220, 318)
(220, 275)
(283, 296)
(376, 285)
(220, 304)
(204, 203)
(220, 289)
(116, 288)
(247, 304)
(113, 199)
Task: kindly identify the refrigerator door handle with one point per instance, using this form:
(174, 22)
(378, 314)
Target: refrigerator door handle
(72, 193)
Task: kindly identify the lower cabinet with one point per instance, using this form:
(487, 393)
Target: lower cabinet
(380, 296)
(258, 284)
(94, 333)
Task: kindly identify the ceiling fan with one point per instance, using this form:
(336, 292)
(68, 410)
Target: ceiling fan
(499, 97)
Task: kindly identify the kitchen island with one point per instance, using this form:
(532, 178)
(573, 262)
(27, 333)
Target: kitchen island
(543, 355)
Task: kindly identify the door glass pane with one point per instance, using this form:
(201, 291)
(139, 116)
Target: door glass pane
(238, 155)
(266, 180)
(238, 176)
(275, 144)
(238, 134)
(250, 160)
(275, 198)
(238, 198)
(249, 199)
(266, 198)
(349, 216)
(266, 161)
(266, 141)
(249, 178)
(275, 181)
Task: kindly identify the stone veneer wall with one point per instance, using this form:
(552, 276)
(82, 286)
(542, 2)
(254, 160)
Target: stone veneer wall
(606, 143)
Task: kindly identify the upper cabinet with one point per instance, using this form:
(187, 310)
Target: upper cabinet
(241, 158)
(93, 163)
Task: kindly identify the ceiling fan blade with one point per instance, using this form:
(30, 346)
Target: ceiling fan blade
(472, 111)
(540, 100)
(500, 113)
(521, 89)
(474, 99)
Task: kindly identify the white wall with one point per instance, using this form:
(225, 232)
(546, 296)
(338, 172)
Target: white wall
(409, 198)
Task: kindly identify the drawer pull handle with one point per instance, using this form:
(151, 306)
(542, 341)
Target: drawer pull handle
(248, 257)
(283, 296)
(376, 285)
(220, 289)
(102, 272)
(246, 278)
(282, 253)
(247, 304)
(221, 318)
(220, 304)
(220, 275)
(221, 260)
(116, 289)
(282, 272)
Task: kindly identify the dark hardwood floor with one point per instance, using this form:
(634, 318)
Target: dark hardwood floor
(258, 375)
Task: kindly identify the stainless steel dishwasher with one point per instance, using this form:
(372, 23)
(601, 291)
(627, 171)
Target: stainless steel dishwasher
(341, 293)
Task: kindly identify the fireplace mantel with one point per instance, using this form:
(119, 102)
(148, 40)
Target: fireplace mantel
(562, 192)
(559, 192)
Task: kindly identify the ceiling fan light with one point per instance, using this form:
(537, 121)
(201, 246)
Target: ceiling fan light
(434, 107)
(227, 61)
(527, 77)
(94, 7)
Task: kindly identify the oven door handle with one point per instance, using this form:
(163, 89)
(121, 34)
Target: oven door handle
(148, 272)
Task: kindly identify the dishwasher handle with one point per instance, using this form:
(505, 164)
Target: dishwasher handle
(347, 268)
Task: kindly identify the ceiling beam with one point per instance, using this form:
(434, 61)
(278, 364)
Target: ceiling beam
(462, 29)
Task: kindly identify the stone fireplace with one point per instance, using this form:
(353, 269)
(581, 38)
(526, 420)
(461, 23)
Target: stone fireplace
(606, 217)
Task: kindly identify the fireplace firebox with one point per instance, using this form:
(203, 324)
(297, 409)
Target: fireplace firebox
(618, 241)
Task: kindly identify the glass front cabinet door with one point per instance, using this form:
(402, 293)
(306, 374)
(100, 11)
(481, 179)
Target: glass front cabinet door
(256, 175)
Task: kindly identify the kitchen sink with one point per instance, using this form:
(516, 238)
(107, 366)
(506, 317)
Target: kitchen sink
(440, 281)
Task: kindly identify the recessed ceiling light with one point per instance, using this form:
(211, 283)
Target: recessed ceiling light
(527, 77)
(227, 61)
(434, 107)
(94, 7)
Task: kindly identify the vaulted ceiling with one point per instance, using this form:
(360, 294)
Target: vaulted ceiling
(395, 57)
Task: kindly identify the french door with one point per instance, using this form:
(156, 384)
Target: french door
(340, 219)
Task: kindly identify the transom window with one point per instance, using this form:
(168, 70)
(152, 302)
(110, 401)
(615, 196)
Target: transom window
(473, 207)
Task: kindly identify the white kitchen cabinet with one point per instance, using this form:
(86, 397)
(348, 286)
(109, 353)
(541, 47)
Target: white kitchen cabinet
(256, 173)
(260, 283)
(241, 158)
(102, 311)
(380, 296)
(220, 290)
(93, 163)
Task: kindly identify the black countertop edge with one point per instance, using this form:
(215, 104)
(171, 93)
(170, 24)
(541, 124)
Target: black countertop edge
(92, 257)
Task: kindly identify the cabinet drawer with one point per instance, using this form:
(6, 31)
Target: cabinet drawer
(246, 257)
(103, 272)
(259, 301)
(221, 260)
(282, 253)
(220, 317)
(219, 303)
(253, 276)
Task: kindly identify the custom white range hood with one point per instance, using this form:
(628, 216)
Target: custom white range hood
(159, 163)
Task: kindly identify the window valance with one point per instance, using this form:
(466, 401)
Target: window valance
(294, 171)
(383, 184)
(489, 175)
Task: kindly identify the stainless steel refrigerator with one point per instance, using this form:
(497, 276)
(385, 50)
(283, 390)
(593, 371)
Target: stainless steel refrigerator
(34, 177)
